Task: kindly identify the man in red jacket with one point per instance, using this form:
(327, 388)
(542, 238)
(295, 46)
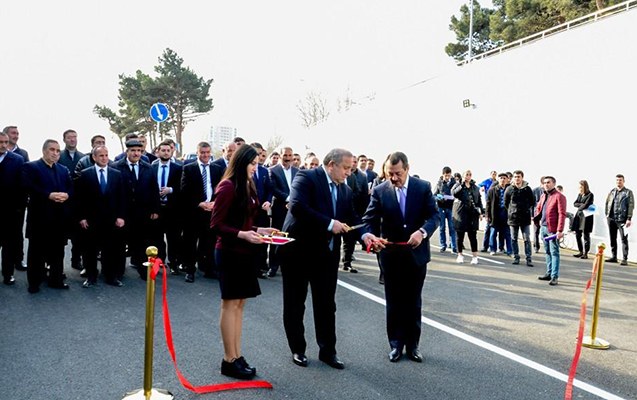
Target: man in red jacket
(551, 214)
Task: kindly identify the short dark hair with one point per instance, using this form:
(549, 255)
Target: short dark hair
(362, 155)
(446, 170)
(204, 145)
(257, 145)
(518, 172)
(549, 178)
(238, 139)
(164, 143)
(48, 142)
(620, 176)
(66, 132)
(130, 136)
(95, 137)
(398, 156)
(336, 156)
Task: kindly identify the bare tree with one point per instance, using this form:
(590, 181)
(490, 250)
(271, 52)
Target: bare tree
(313, 109)
(273, 143)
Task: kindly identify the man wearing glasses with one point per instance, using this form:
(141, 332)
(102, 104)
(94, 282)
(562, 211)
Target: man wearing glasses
(551, 214)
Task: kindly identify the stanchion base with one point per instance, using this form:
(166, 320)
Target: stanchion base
(597, 343)
(155, 394)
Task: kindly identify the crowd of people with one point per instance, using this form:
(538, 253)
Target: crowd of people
(216, 216)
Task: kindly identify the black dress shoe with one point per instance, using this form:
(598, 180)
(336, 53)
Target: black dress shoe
(578, 255)
(33, 289)
(58, 285)
(271, 273)
(553, 282)
(584, 256)
(174, 271)
(88, 283)
(115, 282)
(236, 369)
(414, 355)
(529, 264)
(545, 277)
(190, 278)
(9, 280)
(611, 260)
(299, 359)
(395, 354)
(83, 273)
(624, 262)
(21, 266)
(516, 261)
(347, 266)
(353, 270)
(332, 361)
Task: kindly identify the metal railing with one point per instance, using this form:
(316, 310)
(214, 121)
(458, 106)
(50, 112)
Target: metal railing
(577, 22)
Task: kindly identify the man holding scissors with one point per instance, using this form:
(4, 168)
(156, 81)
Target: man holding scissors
(401, 217)
(319, 212)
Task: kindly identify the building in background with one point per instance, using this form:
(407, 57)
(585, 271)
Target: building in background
(220, 135)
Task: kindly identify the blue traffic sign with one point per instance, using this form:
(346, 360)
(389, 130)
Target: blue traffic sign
(159, 112)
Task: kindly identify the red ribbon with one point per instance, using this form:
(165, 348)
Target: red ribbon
(369, 246)
(568, 394)
(157, 264)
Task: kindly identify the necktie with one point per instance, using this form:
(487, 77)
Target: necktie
(402, 199)
(204, 178)
(102, 181)
(333, 191)
(133, 168)
(163, 176)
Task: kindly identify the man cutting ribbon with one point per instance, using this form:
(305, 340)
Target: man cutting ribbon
(401, 217)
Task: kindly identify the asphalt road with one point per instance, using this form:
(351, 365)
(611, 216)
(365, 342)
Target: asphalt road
(491, 331)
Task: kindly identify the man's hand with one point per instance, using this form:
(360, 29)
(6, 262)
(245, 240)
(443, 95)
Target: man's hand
(154, 216)
(59, 197)
(560, 235)
(266, 206)
(165, 191)
(206, 205)
(416, 238)
(628, 223)
(119, 222)
(84, 224)
(373, 242)
(339, 227)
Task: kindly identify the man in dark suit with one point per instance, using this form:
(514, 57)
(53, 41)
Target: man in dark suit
(168, 175)
(401, 217)
(264, 193)
(358, 183)
(12, 204)
(49, 187)
(69, 157)
(281, 176)
(369, 171)
(197, 193)
(100, 209)
(146, 157)
(14, 136)
(320, 211)
(142, 207)
(221, 163)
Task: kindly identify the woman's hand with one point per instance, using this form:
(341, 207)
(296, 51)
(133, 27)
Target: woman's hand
(250, 236)
(266, 231)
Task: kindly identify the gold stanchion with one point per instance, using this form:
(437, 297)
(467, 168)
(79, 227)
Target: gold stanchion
(592, 341)
(147, 392)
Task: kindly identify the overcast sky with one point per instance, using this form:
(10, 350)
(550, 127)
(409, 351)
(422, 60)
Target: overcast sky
(61, 58)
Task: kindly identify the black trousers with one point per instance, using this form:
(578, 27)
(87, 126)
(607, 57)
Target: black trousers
(613, 227)
(320, 273)
(10, 242)
(404, 280)
(262, 220)
(199, 244)
(109, 241)
(473, 241)
(585, 247)
(169, 248)
(45, 250)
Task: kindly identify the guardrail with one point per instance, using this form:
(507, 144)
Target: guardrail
(586, 19)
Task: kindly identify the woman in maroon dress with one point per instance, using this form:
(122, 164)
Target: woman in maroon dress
(236, 205)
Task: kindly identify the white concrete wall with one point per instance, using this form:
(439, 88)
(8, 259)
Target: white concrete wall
(563, 106)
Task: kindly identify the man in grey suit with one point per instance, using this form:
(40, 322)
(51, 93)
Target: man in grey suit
(401, 217)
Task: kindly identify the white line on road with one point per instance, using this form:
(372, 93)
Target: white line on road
(495, 349)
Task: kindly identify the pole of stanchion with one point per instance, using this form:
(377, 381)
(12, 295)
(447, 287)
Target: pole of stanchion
(147, 392)
(593, 341)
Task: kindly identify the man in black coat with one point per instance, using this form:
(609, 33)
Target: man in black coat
(87, 160)
(264, 193)
(197, 195)
(357, 181)
(69, 157)
(49, 187)
(12, 204)
(401, 217)
(168, 175)
(100, 206)
(142, 207)
(14, 136)
(321, 209)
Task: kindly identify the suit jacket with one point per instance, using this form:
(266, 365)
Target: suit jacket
(85, 162)
(68, 161)
(173, 181)
(383, 217)
(311, 212)
(100, 209)
(46, 217)
(13, 197)
(142, 194)
(358, 183)
(21, 152)
(263, 185)
(192, 192)
(371, 175)
(280, 191)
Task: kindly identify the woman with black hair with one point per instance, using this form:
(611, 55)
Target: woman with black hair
(236, 206)
(583, 224)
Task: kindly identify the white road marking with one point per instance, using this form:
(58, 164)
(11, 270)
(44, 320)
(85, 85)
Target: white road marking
(495, 349)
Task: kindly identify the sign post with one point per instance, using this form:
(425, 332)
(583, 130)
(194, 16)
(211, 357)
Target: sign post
(159, 114)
